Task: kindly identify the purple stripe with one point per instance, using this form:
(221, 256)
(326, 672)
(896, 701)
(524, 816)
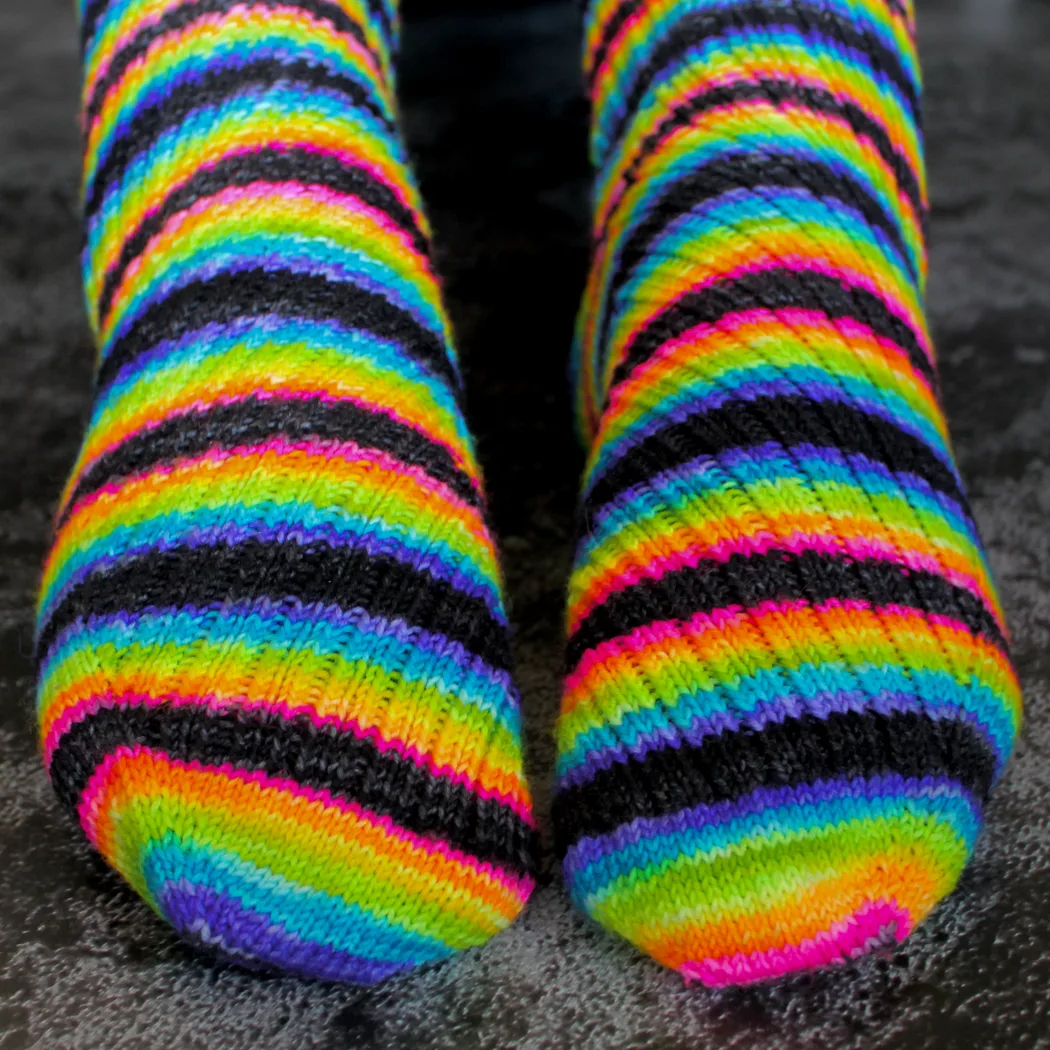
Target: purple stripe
(724, 465)
(223, 925)
(589, 851)
(749, 390)
(319, 617)
(771, 713)
(294, 262)
(229, 533)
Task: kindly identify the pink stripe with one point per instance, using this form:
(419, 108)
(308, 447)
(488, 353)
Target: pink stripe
(656, 633)
(344, 157)
(320, 196)
(94, 795)
(878, 924)
(214, 19)
(722, 79)
(659, 632)
(798, 542)
(845, 328)
(283, 395)
(614, 45)
(347, 451)
(107, 701)
(800, 264)
(120, 43)
(352, 160)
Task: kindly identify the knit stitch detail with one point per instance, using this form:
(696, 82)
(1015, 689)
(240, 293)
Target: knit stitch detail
(275, 676)
(788, 690)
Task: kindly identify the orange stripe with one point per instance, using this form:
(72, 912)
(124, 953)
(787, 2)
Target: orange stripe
(695, 78)
(224, 29)
(786, 340)
(808, 912)
(449, 744)
(356, 484)
(356, 380)
(304, 216)
(262, 130)
(700, 539)
(748, 640)
(345, 834)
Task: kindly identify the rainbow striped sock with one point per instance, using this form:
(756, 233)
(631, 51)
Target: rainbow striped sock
(788, 688)
(274, 665)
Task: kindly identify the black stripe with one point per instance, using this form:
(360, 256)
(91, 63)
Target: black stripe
(754, 17)
(92, 13)
(231, 297)
(212, 576)
(609, 33)
(319, 8)
(186, 14)
(776, 575)
(752, 172)
(213, 88)
(781, 93)
(797, 751)
(774, 290)
(379, 14)
(255, 420)
(273, 165)
(321, 758)
(785, 421)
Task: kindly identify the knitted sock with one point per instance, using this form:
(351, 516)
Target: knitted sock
(788, 688)
(274, 665)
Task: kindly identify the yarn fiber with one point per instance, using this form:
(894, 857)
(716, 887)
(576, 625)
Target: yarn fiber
(788, 691)
(275, 677)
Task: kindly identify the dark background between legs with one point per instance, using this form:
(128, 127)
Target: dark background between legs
(492, 109)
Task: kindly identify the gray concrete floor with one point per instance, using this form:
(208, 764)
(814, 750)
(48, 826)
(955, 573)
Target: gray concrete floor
(495, 120)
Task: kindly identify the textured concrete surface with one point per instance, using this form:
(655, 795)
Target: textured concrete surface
(493, 112)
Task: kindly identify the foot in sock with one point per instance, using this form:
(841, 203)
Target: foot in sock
(274, 667)
(788, 690)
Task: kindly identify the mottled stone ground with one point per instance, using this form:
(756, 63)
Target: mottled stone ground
(492, 108)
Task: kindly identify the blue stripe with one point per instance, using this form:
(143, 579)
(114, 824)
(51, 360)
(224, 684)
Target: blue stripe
(304, 912)
(656, 845)
(351, 635)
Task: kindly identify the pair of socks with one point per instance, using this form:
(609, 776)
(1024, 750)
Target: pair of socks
(275, 681)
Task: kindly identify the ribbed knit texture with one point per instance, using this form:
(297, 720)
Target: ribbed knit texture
(788, 691)
(274, 665)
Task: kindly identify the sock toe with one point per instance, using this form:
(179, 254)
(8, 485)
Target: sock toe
(361, 816)
(265, 872)
(748, 793)
(781, 880)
